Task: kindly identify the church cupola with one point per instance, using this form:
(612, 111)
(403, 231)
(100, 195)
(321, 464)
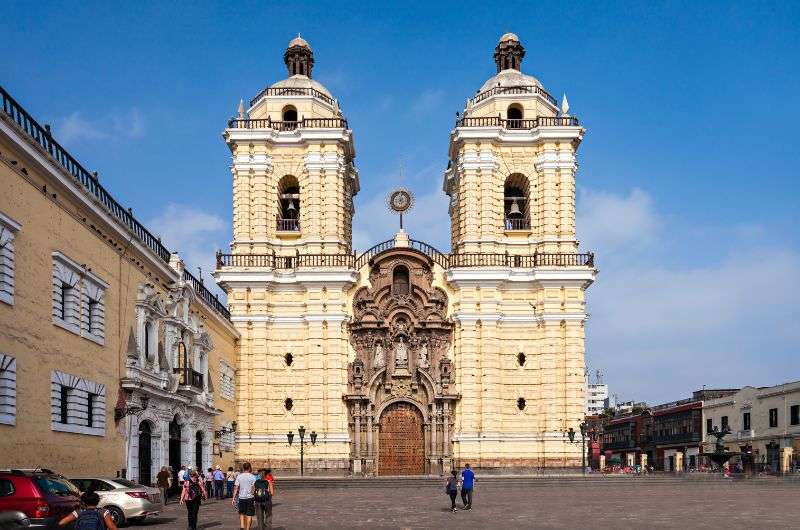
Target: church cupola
(509, 53)
(298, 57)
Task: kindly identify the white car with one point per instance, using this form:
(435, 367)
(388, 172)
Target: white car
(125, 500)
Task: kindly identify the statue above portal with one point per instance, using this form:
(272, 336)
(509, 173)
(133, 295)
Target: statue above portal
(401, 355)
(379, 360)
(422, 359)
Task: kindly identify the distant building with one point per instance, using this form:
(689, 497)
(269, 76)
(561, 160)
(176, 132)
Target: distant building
(764, 424)
(627, 407)
(596, 398)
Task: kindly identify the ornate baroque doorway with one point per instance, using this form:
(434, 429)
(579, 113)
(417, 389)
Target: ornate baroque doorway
(401, 445)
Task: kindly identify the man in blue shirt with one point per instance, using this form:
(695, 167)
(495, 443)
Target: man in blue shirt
(467, 483)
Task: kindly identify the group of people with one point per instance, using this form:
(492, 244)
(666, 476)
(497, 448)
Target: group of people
(465, 482)
(251, 494)
(217, 484)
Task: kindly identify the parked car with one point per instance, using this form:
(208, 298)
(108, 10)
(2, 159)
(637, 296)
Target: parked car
(14, 520)
(43, 496)
(125, 500)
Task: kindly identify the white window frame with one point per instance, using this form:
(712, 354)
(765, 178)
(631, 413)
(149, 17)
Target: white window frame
(8, 231)
(8, 390)
(84, 289)
(77, 404)
(227, 381)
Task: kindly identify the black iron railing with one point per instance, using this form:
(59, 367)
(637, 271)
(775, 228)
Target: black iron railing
(189, 377)
(43, 137)
(305, 123)
(211, 299)
(287, 225)
(529, 89)
(293, 91)
(517, 224)
(535, 123)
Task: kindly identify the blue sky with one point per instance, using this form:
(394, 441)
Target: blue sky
(687, 180)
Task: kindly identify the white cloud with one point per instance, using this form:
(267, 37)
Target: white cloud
(661, 328)
(427, 101)
(195, 235)
(114, 125)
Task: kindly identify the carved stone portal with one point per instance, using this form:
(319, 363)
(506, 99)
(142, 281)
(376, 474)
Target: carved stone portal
(401, 335)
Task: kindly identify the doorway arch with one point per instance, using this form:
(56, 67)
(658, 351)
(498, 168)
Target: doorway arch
(198, 452)
(401, 443)
(145, 453)
(175, 451)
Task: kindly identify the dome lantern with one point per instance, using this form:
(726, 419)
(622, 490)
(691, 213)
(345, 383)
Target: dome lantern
(298, 57)
(508, 53)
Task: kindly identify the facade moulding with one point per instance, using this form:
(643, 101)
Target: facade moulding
(342, 437)
(299, 319)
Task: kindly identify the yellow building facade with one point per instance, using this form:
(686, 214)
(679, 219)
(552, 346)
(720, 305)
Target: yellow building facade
(404, 359)
(114, 360)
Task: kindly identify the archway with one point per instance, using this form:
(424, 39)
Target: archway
(401, 445)
(175, 451)
(145, 453)
(198, 452)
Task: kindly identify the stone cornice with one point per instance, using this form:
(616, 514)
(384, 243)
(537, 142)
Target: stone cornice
(532, 137)
(228, 278)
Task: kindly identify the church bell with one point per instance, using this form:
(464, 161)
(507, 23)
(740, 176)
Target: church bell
(514, 210)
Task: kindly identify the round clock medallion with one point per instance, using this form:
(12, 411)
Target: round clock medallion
(400, 200)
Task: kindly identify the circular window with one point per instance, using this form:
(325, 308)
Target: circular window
(288, 403)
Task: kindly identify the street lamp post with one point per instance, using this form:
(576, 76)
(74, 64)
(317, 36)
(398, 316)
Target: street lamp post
(571, 436)
(302, 432)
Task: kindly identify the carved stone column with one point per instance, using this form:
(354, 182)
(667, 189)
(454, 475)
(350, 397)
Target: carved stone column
(357, 438)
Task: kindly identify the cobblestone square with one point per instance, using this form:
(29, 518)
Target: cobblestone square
(595, 503)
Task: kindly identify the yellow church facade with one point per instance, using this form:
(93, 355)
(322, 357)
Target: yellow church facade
(404, 359)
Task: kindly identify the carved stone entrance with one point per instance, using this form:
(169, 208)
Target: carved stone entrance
(401, 446)
(399, 398)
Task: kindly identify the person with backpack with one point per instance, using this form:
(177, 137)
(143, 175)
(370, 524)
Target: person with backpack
(192, 495)
(262, 496)
(451, 488)
(243, 493)
(89, 517)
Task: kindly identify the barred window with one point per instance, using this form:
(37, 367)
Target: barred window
(8, 389)
(78, 405)
(8, 230)
(78, 299)
(226, 382)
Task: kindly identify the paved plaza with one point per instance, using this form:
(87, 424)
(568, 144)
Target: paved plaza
(547, 503)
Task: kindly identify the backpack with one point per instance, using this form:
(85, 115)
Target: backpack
(90, 519)
(262, 491)
(194, 490)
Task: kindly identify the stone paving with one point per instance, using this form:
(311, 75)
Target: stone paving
(594, 504)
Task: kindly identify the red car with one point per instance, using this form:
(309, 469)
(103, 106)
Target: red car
(42, 495)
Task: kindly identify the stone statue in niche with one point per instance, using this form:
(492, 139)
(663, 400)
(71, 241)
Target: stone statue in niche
(422, 359)
(379, 360)
(401, 355)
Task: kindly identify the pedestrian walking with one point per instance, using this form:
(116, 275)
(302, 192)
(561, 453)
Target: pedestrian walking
(467, 484)
(219, 484)
(89, 517)
(243, 489)
(164, 482)
(181, 476)
(193, 494)
(209, 476)
(262, 496)
(451, 488)
(230, 478)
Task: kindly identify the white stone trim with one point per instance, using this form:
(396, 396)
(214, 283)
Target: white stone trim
(509, 437)
(8, 231)
(8, 390)
(77, 404)
(85, 305)
(334, 437)
(258, 278)
(499, 317)
(300, 319)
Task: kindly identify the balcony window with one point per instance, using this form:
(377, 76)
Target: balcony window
(289, 114)
(746, 421)
(709, 425)
(724, 423)
(794, 415)
(514, 116)
(773, 417)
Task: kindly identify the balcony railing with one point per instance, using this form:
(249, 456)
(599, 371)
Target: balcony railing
(305, 123)
(514, 90)
(517, 224)
(189, 377)
(621, 444)
(288, 225)
(535, 123)
(211, 299)
(271, 261)
(677, 438)
(43, 137)
(293, 91)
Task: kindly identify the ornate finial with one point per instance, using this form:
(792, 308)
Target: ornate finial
(241, 109)
(400, 201)
(509, 53)
(564, 105)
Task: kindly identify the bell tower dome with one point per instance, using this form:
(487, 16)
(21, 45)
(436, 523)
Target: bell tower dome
(299, 57)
